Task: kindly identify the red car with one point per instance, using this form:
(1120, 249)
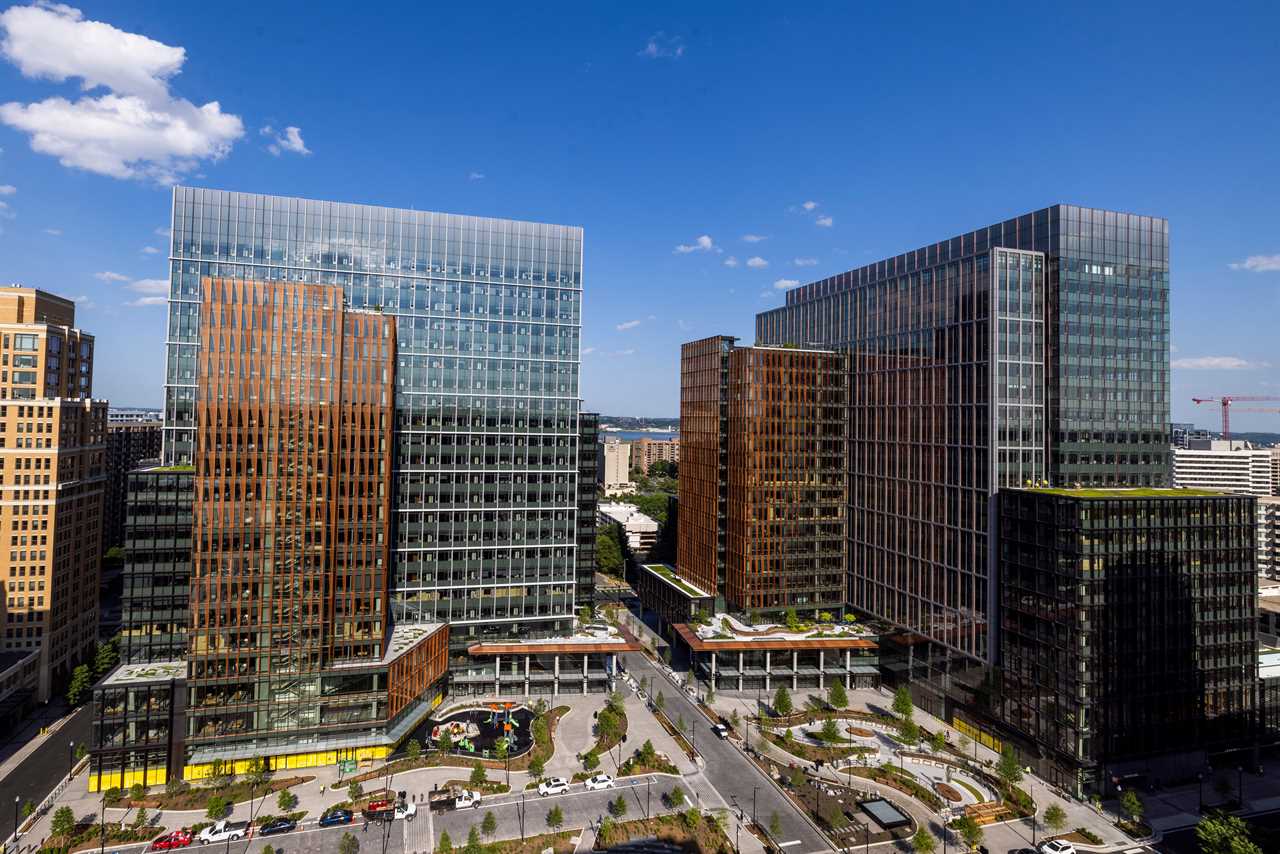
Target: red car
(379, 806)
(176, 839)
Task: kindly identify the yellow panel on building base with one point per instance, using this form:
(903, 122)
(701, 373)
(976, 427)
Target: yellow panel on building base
(125, 779)
(291, 761)
(980, 736)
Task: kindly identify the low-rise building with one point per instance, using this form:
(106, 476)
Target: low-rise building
(731, 655)
(674, 598)
(640, 530)
(1233, 466)
(584, 663)
(1269, 536)
(646, 452)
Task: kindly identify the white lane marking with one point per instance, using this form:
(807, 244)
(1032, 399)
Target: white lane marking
(788, 844)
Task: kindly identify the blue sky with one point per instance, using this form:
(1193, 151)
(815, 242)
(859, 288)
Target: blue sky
(655, 126)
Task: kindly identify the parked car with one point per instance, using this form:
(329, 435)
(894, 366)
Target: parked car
(224, 831)
(279, 825)
(1022, 851)
(600, 781)
(553, 786)
(453, 798)
(176, 839)
(1057, 846)
(720, 730)
(336, 817)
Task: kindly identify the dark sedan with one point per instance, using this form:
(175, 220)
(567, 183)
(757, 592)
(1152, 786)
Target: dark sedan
(336, 817)
(280, 825)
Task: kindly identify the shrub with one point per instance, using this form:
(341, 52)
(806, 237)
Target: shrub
(445, 846)
(216, 807)
(555, 818)
(413, 749)
(354, 791)
(478, 775)
(590, 760)
(675, 797)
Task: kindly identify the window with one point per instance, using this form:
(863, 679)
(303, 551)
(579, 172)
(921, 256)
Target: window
(24, 342)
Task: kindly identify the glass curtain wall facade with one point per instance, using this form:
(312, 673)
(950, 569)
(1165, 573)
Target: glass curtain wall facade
(1128, 630)
(786, 499)
(946, 405)
(156, 602)
(486, 432)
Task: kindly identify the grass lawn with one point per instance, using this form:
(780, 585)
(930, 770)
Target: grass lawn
(977, 796)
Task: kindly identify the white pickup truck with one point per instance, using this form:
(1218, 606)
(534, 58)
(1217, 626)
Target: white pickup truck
(224, 831)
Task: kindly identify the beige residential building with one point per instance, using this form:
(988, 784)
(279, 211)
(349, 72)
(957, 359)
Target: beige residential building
(52, 477)
(1269, 536)
(617, 469)
(649, 451)
(1229, 466)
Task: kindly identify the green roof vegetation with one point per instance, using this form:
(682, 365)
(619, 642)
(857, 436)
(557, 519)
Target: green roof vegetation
(663, 571)
(1121, 492)
(174, 468)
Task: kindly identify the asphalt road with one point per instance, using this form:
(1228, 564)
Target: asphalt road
(579, 806)
(36, 776)
(308, 839)
(734, 776)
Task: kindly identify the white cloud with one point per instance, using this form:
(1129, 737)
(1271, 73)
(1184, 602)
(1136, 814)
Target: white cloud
(662, 46)
(587, 351)
(810, 205)
(150, 287)
(83, 301)
(144, 301)
(630, 324)
(767, 295)
(1217, 363)
(825, 221)
(731, 261)
(704, 243)
(628, 352)
(150, 250)
(164, 232)
(653, 317)
(754, 238)
(684, 325)
(7, 189)
(804, 262)
(1258, 264)
(757, 263)
(137, 128)
(786, 284)
(290, 139)
(56, 232)
(111, 277)
(475, 176)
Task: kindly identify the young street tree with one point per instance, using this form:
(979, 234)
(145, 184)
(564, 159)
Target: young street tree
(478, 775)
(348, 844)
(970, 831)
(555, 818)
(1131, 804)
(782, 701)
(64, 822)
(444, 846)
(775, 825)
(473, 845)
(836, 695)
(1219, 833)
(902, 705)
(1055, 818)
(923, 842)
(413, 749)
(1009, 769)
(490, 824)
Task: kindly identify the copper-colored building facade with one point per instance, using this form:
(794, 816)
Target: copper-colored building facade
(290, 553)
(704, 389)
(786, 480)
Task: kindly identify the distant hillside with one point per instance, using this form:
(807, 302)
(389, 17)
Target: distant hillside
(632, 422)
(1256, 438)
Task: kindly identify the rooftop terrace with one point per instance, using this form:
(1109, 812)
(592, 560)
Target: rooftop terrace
(1141, 492)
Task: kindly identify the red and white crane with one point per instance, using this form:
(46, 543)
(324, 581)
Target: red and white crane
(1226, 401)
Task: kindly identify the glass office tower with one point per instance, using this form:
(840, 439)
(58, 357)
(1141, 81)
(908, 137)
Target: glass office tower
(485, 433)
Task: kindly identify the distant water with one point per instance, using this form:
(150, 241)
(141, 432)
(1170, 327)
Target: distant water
(632, 435)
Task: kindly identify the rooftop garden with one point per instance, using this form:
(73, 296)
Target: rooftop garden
(664, 572)
(1084, 492)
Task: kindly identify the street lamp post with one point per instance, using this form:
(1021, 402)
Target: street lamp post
(71, 756)
(15, 821)
(754, 820)
(1031, 790)
(648, 781)
(1240, 784)
(1200, 785)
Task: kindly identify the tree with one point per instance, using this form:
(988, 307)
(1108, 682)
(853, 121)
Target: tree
(286, 800)
(445, 845)
(81, 751)
(64, 822)
(584, 615)
(478, 775)
(923, 842)
(81, 680)
(909, 732)
(902, 705)
(793, 621)
(608, 551)
(536, 767)
(1131, 804)
(28, 808)
(710, 696)
(590, 760)
(1219, 833)
(690, 817)
(413, 749)
(775, 824)
(963, 743)
(782, 701)
(1009, 768)
(970, 831)
(216, 807)
(140, 818)
(137, 792)
(445, 742)
(501, 751)
(354, 791)
(938, 741)
(1055, 818)
(836, 695)
(609, 725)
(647, 753)
(618, 807)
(257, 773)
(830, 731)
(473, 841)
(220, 774)
(267, 849)
(615, 703)
(675, 797)
(826, 617)
(490, 824)
(659, 702)
(112, 795)
(105, 658)
(348, 844)
(555, 818)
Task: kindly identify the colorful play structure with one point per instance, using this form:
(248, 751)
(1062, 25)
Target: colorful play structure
(480, 731)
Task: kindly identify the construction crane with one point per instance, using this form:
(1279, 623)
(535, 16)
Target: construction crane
(1226, 401)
